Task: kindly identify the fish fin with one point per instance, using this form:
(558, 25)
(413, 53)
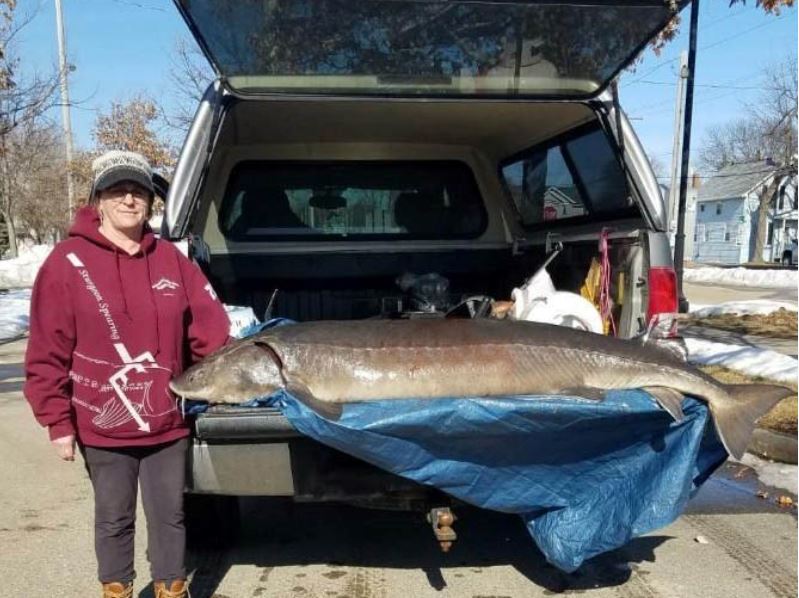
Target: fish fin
(670, 348)
(591, 393)
(326, 409)
(735, 419)
(669, 399)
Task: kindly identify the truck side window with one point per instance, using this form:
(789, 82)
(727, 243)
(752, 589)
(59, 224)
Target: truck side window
(576, 177)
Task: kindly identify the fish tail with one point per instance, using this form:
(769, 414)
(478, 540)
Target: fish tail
(735, 419)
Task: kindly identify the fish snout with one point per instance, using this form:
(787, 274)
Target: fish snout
(189, 384)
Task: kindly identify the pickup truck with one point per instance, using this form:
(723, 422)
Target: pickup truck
(346, 144)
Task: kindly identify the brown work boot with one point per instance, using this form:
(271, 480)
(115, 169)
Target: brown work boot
(178, 589)
(118, 590)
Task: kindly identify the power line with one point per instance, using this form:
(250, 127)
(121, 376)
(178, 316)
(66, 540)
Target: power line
(704, 48)
(716, 85)
(739, 174)
(702, 101)
(139, 5)
(729, 83)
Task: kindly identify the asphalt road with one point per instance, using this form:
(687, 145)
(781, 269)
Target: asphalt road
(748, 545)
(711, 294)
(707, 295)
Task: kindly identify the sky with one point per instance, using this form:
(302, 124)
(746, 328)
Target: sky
(123, 47)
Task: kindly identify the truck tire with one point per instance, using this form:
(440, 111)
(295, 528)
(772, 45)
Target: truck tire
(211, 521)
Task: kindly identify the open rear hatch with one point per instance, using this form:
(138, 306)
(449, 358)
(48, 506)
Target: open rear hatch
(447, 48)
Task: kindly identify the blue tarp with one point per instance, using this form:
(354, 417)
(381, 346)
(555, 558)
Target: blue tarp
(585, 476)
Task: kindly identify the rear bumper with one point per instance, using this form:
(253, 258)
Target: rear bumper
(257, 452)
(238, 424)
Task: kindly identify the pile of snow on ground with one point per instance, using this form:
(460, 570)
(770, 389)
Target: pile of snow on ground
(20, 272)
(778, 475)
(14, 310)
(741, 308)
(742, 277)
(241, 318)
(752, 361)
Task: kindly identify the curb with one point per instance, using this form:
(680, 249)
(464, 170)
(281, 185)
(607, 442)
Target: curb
(775, 446)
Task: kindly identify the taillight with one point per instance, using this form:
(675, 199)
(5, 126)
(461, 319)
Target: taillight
(662, 292)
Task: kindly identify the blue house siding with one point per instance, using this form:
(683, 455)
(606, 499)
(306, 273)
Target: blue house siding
(722, 231)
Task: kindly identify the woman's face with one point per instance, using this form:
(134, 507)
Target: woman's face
(124, 206)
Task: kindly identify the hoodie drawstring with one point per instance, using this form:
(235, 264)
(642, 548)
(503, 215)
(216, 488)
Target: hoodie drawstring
(151, 295)
(121, 288)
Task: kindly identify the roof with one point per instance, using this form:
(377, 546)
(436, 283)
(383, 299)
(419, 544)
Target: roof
(735, 180)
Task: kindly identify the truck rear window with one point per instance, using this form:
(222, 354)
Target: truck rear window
(577, 178)
(289, 201)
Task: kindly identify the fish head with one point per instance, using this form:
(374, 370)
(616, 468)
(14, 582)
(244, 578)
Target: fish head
(237, 373)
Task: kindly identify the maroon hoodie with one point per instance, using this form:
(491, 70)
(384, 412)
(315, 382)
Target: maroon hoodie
(109, 330)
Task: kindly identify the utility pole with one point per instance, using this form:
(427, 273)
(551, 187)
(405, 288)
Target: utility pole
(63, 71)
(679, 121)
(679, 240)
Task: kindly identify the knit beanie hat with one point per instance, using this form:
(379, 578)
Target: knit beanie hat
(116, 166)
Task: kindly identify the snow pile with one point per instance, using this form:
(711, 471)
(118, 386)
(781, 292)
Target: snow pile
(777, 475)
(741, 308)
(752, 361)
(241, 318)
(743, 277)
(20, 272)
(14, 310)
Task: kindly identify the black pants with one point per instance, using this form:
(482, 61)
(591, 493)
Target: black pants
(115, 475)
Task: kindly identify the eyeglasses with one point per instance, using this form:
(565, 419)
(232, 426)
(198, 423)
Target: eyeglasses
(119, 194)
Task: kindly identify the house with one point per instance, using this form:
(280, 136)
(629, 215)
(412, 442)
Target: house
(691, 193)
(727, 214)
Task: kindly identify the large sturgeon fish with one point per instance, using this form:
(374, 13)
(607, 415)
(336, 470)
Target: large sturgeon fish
(328, 363)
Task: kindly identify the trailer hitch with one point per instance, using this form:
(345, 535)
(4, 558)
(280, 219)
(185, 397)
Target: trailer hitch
(441, 520)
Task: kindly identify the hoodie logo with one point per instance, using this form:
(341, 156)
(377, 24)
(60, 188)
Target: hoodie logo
(165, 284)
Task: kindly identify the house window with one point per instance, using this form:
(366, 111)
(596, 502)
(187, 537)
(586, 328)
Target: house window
(718, 209)
(726, 235)
(701, 207)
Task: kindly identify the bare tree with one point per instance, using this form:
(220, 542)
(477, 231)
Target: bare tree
(36, 174)
(769, 129)
(776, 111)
(733, 143)
(190, 75)
(22, 100)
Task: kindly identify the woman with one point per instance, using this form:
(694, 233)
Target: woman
(115, 314)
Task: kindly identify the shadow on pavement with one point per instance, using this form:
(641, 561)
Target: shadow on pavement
(278, 533)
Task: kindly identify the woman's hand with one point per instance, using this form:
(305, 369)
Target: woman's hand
(65, 447)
